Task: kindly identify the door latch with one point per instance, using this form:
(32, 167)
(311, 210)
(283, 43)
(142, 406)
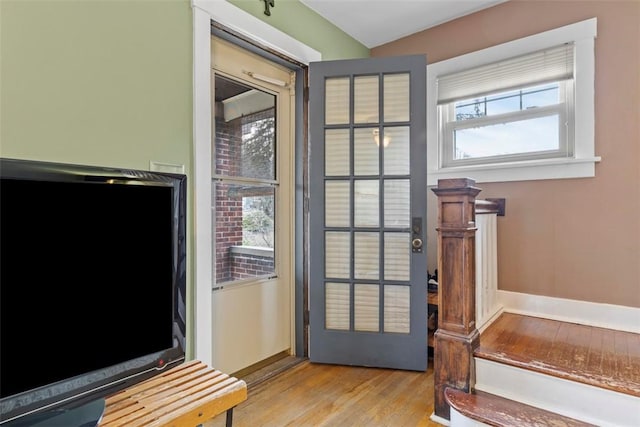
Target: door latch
(416, 235)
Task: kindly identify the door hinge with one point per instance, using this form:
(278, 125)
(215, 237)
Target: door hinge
(306, 317)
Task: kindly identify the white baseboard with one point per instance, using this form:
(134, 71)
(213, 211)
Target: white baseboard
(487, 321)
(439, 420)
(608, 316)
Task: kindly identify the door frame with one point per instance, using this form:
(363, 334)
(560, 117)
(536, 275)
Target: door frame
(250, 27)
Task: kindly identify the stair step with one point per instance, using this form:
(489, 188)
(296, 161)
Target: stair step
(590, 355)
(580, 371)
(498, 411)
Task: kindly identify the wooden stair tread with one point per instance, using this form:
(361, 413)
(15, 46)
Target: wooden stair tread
(501, 412)
(186, 395)
(600, 357)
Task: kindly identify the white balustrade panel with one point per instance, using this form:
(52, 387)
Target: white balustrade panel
(486, 268)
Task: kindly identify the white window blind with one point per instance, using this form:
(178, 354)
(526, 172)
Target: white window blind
(552, 64)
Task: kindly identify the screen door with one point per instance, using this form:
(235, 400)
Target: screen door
(367, 208)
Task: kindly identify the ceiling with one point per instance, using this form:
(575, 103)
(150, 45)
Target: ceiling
(376, 22)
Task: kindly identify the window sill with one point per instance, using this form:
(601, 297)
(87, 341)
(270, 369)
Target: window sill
(519, 171)
(252, 250)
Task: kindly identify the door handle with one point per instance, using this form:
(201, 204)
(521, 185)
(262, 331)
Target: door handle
(416, 243)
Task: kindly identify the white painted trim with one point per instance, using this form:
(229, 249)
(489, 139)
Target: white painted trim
(486, 268)
(583, 162)
(609, 316)
(249, 26)
(231, 16)
(202, 246)
(584, 402)
(490, 319)
(519, 171)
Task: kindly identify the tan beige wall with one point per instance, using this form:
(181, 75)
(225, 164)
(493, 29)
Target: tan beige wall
(573, 238)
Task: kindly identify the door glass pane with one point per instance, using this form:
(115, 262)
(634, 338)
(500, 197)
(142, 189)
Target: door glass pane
(244, 231)
(396, 97)
(245, 213)
(365, 99)
(396, 309)
(396, 154)
(336, 109)
(337, 306)
(397, 253)
(338, 254)
(366, 307)
(245, 131)
(336, 157)
(336, 204)
(396, 203)
(366, 255)
(377, 138)
(366, 200)
(366, 153)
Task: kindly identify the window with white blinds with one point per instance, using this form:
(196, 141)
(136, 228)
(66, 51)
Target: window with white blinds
(517, 111)
(545, 66)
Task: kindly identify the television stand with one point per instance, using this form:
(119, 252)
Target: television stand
(184, 396)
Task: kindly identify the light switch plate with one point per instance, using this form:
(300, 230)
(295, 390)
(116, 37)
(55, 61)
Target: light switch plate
(165, 167)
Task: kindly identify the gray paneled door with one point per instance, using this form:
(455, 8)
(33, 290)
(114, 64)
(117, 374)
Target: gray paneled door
(368, 268)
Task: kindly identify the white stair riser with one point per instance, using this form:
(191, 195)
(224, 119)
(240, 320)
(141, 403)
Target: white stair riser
(569, 398)
(459, 420)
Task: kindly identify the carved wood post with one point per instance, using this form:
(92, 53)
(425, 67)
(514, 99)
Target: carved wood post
(457, 336)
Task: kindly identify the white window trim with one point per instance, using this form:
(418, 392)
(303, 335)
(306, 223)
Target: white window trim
(582, 164)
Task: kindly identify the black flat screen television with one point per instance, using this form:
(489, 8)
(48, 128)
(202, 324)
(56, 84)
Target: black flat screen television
(92, 286)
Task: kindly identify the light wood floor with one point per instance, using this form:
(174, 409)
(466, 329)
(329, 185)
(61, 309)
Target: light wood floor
(313, 395)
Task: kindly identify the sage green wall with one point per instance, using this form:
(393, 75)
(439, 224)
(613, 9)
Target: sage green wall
(109, 82)
(96, 82)
(303, 24)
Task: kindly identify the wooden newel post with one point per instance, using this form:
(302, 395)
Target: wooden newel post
(457, 337)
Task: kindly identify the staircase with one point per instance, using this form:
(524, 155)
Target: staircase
(512, 359)
(539, 372)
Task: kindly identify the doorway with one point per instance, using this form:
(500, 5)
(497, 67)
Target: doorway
(252, 206)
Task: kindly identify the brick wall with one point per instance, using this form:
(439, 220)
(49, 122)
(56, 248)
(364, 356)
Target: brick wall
(245, 265)
(228, 208)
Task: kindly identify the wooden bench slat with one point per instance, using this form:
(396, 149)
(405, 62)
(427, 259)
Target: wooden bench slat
(185, 396)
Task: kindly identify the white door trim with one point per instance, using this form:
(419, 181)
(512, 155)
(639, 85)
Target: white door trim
(204, 11)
